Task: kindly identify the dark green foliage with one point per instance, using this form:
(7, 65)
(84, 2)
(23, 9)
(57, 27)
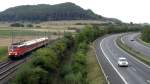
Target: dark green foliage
(88, 34)
(66, 69)
(44, 12)
(77, 70)
(17, 25)
(121, 28)
(29, 25)
(38, 26)
(29, 75)
(9, 33)
(146, 34)
(46, 59)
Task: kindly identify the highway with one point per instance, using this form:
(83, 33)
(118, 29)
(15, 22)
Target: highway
(135, 44)
(107, 53)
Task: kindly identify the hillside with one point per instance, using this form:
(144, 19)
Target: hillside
(44, 12)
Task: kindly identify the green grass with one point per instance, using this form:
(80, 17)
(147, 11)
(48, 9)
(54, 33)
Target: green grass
(3, 53)
(95, 75)
(138, 38)
(138, 55)
(20, 33)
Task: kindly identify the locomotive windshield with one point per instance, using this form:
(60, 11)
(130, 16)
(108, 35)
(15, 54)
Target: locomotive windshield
(12, 47)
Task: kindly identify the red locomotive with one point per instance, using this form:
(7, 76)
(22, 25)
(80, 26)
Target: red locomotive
(19, 49)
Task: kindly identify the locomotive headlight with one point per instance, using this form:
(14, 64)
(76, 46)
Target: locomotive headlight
(9, 53)
(16, 53)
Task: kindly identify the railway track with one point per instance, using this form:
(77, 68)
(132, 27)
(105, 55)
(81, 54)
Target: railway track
(9, 67)
(4, 64)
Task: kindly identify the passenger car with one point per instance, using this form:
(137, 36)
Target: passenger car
(122, 61)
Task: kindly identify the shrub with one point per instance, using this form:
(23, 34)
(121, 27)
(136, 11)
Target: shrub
(45, 59)
(17, 25)
(29, 25)
(29, 75)
(146, 34)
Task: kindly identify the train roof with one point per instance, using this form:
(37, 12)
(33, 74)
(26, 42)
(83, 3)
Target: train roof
(32, 42)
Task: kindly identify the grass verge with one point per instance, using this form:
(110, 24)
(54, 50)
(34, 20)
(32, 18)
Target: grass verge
(138, 38)
(95, 75)
(138, 55)
(3, 53)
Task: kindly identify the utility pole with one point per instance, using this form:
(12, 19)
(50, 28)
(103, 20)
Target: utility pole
(49, 35)
(45, 34)
(12, 36)
(59, 34)
(45, 38)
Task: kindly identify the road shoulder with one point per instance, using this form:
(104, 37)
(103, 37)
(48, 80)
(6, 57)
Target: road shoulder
(95, 73)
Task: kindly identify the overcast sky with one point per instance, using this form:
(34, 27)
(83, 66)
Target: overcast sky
(126, 10)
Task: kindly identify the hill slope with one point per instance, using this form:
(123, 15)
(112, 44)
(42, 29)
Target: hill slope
(44, 12)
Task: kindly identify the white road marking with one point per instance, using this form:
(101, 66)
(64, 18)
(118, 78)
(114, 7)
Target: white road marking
(111, 63)
(130, 55)
(122, 40)
(101, 67)
(133, 68)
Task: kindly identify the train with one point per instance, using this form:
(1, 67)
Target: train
(16, 50)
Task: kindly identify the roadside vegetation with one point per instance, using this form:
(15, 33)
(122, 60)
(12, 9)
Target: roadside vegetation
(3, 53)
(138, 38)
(145, 36)
(65, 60)
(94, 72)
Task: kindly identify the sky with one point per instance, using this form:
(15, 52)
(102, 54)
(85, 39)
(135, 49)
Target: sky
(136, 11)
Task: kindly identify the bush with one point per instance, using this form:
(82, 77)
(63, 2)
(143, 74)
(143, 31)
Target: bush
(45, 58)
(28, 75)
(146, 34)
(66, 69)
(29, 25)
(17, 25)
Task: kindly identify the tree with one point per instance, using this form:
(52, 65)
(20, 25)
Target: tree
(146, 34)
(17, 25)
(29, 25)
(30, 75)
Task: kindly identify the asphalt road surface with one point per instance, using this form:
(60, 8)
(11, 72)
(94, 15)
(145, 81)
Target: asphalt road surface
(130, 40)
(108, 52)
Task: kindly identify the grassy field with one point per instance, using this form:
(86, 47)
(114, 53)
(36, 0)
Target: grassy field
(52, 26)
(51, 29)
(63, 23)
(95, 75)
(3, 53)
(21, 33)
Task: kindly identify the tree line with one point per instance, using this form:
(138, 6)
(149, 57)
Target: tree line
(145, 34)
(20, 25)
